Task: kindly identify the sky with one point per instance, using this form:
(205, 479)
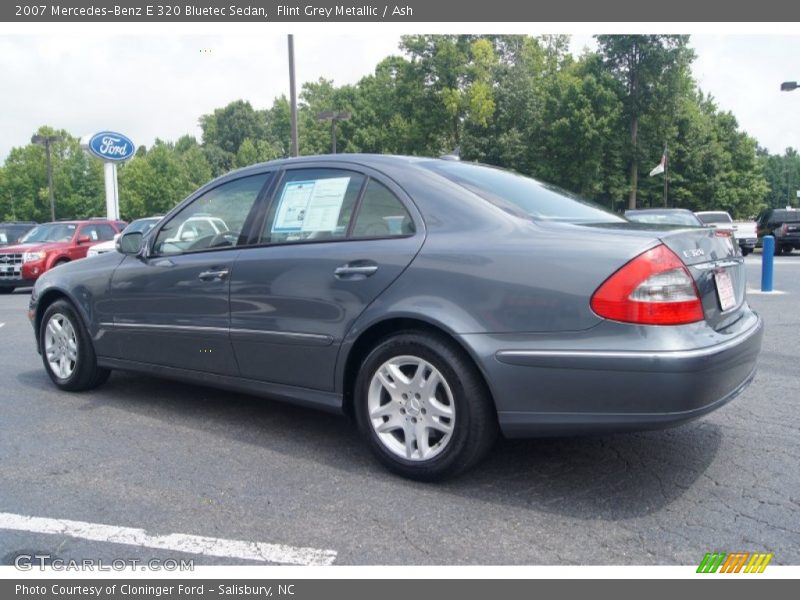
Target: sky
(158, 86)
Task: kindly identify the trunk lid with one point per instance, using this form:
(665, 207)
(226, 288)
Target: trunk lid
(713, 258)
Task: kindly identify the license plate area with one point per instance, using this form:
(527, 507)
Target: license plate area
(725, 292)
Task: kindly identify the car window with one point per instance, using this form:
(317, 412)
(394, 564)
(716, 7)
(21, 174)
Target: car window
(522, 195)
(214, 220)
(381, 214)
(142, 225)
(98, 232)
(89, 231)
(312, 205)
(676, 218)
(709, 218)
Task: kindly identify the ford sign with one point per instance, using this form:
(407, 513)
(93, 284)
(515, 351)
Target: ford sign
(109, 145)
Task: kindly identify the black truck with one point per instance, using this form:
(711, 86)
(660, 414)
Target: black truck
(784, 225)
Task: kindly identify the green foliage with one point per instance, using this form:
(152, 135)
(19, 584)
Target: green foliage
(782, 172)
(590, 124)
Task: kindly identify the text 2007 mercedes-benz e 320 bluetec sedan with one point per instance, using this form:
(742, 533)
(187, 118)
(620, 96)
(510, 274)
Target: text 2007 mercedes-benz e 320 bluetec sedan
(435, 301)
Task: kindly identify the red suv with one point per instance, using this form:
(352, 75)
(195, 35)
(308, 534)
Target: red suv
(49, 245)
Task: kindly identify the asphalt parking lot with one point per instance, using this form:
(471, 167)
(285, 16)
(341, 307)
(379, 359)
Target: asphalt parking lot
(170, 458)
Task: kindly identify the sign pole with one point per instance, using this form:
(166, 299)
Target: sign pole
(112, 191)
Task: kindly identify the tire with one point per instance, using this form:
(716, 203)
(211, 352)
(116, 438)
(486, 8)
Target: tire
(6, 290)
(452, 443)
(746, 251)
(65, 342)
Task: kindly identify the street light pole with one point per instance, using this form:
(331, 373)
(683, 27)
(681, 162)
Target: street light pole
(46, 141)
(334, 116)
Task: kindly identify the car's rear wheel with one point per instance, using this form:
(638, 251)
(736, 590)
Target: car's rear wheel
(67, 351)
(423, 407)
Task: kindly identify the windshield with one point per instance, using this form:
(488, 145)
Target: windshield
(675, 218)
(517, 193)
(52, 232)
(715, 218)
(10, 233)
(141, 225)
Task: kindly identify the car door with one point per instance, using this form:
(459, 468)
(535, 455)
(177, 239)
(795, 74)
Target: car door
(331, 241)
(170, 304)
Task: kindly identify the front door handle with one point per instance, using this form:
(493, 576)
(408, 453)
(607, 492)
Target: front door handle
(356, 270)
(213, 275)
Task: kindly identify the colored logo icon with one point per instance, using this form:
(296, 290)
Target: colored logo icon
(736, 562)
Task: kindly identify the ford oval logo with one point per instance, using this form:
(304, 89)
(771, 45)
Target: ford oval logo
(109, 145)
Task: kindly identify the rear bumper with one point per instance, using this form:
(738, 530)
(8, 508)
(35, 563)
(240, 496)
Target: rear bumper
(747, 242)
(563, 391)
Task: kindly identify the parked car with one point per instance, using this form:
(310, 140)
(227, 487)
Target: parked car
(144, 225)
(50, 245)
(782, 223)
(435, 301)
(723, 221)
(664, 216)
(747, 236)
(12, 231)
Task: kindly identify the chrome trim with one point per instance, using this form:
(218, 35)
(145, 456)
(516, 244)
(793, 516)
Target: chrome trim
(719, 264)
(295, 335)
(158, 327)
(658, 354)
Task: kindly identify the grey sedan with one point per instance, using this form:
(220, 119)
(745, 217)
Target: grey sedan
(436, 302)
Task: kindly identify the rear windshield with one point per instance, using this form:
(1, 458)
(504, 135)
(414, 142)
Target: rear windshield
(715, 218)
(782, 215)
(654, 218)
(522, 195)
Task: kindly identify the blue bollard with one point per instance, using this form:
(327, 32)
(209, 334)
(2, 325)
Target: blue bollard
(767, 262)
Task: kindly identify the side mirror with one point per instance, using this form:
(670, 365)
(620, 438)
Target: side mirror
(129, 243)
(84, 239)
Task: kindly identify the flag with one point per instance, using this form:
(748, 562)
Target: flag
(660, 167)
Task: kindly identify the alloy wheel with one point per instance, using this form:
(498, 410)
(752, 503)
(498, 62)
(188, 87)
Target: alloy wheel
(61, 346)
(411, 408)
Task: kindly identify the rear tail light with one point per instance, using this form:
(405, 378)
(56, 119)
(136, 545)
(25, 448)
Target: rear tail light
(655, 288)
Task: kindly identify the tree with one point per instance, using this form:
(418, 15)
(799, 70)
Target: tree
(456, 73)
(653, 69)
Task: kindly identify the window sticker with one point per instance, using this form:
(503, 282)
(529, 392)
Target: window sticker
(310, 205)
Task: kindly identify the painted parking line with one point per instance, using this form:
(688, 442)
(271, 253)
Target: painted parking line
(757, 291)
(176, 542)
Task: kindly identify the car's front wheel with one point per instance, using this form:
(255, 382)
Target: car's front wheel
(67, 350)
(423, 406)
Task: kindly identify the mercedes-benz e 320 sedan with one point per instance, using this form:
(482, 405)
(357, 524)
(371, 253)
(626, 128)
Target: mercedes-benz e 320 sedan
(437, 302)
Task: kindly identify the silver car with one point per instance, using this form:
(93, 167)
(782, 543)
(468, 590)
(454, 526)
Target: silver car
(436, 302)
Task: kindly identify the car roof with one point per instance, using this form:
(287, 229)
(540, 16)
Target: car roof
(375, 161)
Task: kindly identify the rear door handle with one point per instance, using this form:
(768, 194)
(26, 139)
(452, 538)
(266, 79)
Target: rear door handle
(355, 269)
(213, 275)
